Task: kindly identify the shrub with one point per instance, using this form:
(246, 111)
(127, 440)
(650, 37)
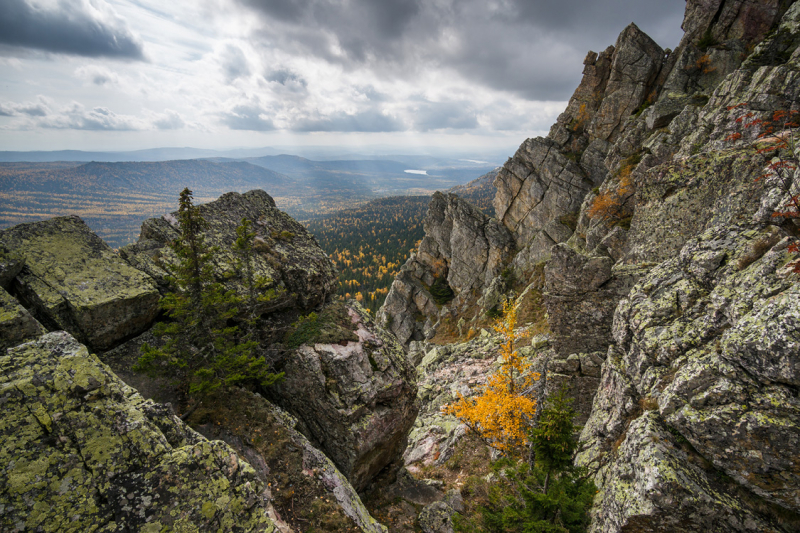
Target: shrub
(441, 291)
(547, 494)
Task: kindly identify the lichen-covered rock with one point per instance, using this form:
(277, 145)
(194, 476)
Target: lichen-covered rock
(82, 451)
(444, 372)
(285, 252)
(354, 397)
(437, 518)
(655, 484)
(306, 489)
(462, 252)
(680, 199)
(73, 281)
(709, 341)
(10, 265)
(16, 323)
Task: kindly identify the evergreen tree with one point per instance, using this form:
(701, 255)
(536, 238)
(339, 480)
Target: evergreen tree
(550, 496)
(205, 349)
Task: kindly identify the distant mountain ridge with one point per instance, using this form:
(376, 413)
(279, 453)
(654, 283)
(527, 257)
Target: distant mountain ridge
(114, 197)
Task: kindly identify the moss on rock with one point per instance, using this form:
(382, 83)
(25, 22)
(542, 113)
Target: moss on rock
(73, 281)
(82, 451)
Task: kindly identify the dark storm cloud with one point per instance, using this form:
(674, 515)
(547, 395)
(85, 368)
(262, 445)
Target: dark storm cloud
(286, 78)
(533, 48)
(367, 121)
(69, 28)
(248, 118)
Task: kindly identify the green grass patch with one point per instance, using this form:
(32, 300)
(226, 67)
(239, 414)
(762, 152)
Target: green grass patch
(332, 325)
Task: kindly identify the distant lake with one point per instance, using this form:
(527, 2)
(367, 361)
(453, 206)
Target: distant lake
(422, 172)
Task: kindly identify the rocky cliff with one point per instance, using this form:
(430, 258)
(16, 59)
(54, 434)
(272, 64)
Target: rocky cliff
(669, 285)
(462, 252)
(85, 451)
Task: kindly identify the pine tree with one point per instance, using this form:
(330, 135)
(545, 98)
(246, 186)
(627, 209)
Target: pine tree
(204, 348)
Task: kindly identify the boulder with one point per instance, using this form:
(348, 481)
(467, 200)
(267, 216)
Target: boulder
(286, 253)
(82, 451)
(73, 281)
(353, 391)
(437, 518)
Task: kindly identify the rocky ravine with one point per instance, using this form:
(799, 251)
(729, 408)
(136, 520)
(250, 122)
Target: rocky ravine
(84, 450)
(683, 294)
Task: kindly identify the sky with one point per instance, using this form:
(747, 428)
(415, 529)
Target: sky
(222, 74)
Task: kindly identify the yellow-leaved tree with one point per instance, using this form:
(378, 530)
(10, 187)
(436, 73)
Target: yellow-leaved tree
(502, 413)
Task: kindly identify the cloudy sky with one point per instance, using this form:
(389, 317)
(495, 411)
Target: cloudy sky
(132, 74)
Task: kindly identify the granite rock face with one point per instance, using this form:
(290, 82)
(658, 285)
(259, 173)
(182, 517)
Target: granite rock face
(355, 399)
(285, 252)
(536, 187)
(635, 65)
(71, 280)
(707, 343)
(82, 451)
(463, 251)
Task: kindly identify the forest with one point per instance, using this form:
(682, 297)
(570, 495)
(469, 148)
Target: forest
(371, 242)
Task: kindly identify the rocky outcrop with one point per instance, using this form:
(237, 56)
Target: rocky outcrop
(705, 352)
(680, 292)
(462, 252)
(635, 64)
(82, 451)
(305, 488)
(353, 392)
(71, 280)
(303, 276)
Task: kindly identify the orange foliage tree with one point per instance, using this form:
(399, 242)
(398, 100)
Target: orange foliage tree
(608, 205)
(503, 411)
